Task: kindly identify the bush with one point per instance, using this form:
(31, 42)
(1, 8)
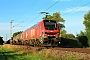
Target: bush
(1, 41)
(83, 40)
(69, 40)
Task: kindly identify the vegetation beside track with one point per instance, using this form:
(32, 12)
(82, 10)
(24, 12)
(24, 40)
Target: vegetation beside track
(6, 54)
(17, 54)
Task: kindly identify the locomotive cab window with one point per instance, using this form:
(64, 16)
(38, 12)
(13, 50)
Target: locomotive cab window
(50, 25)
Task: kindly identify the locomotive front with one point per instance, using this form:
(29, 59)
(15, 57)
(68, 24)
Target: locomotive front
(50, 33)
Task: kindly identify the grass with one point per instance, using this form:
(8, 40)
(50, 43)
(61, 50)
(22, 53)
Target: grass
(70, 58)
(6, 54)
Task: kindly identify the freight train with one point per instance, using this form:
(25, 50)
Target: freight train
(44, 33)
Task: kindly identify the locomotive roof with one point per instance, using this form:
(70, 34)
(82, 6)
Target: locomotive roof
(35, 25)
(31, 27)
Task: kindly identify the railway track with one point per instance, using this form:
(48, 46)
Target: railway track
(80, 50)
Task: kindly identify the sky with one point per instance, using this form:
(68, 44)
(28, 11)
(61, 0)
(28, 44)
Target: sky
(25, 13)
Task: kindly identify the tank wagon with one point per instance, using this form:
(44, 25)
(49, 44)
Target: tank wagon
(45, 33)
(18, 39)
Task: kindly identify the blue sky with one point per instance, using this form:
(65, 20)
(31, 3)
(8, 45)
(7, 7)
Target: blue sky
(72, 11)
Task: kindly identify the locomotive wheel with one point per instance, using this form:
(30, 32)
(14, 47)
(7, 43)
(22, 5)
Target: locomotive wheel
(37, 43)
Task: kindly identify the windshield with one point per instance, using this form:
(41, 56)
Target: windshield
(50, 24)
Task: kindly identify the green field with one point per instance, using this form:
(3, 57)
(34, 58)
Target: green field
(6, 54)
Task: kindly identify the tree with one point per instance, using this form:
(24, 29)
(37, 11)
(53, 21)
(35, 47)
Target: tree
(16, 33)
(63, 32)
(69, 40)
(56, 16)
(69, 36)
(81, 33)
(48, 17)
(82, 38)
(1, 40)
(61, 26)
(86, 22)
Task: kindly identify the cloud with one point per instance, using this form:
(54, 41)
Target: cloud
(62, 0)
(76, 9)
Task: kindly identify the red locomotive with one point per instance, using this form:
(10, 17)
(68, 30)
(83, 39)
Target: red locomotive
(45, 33)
